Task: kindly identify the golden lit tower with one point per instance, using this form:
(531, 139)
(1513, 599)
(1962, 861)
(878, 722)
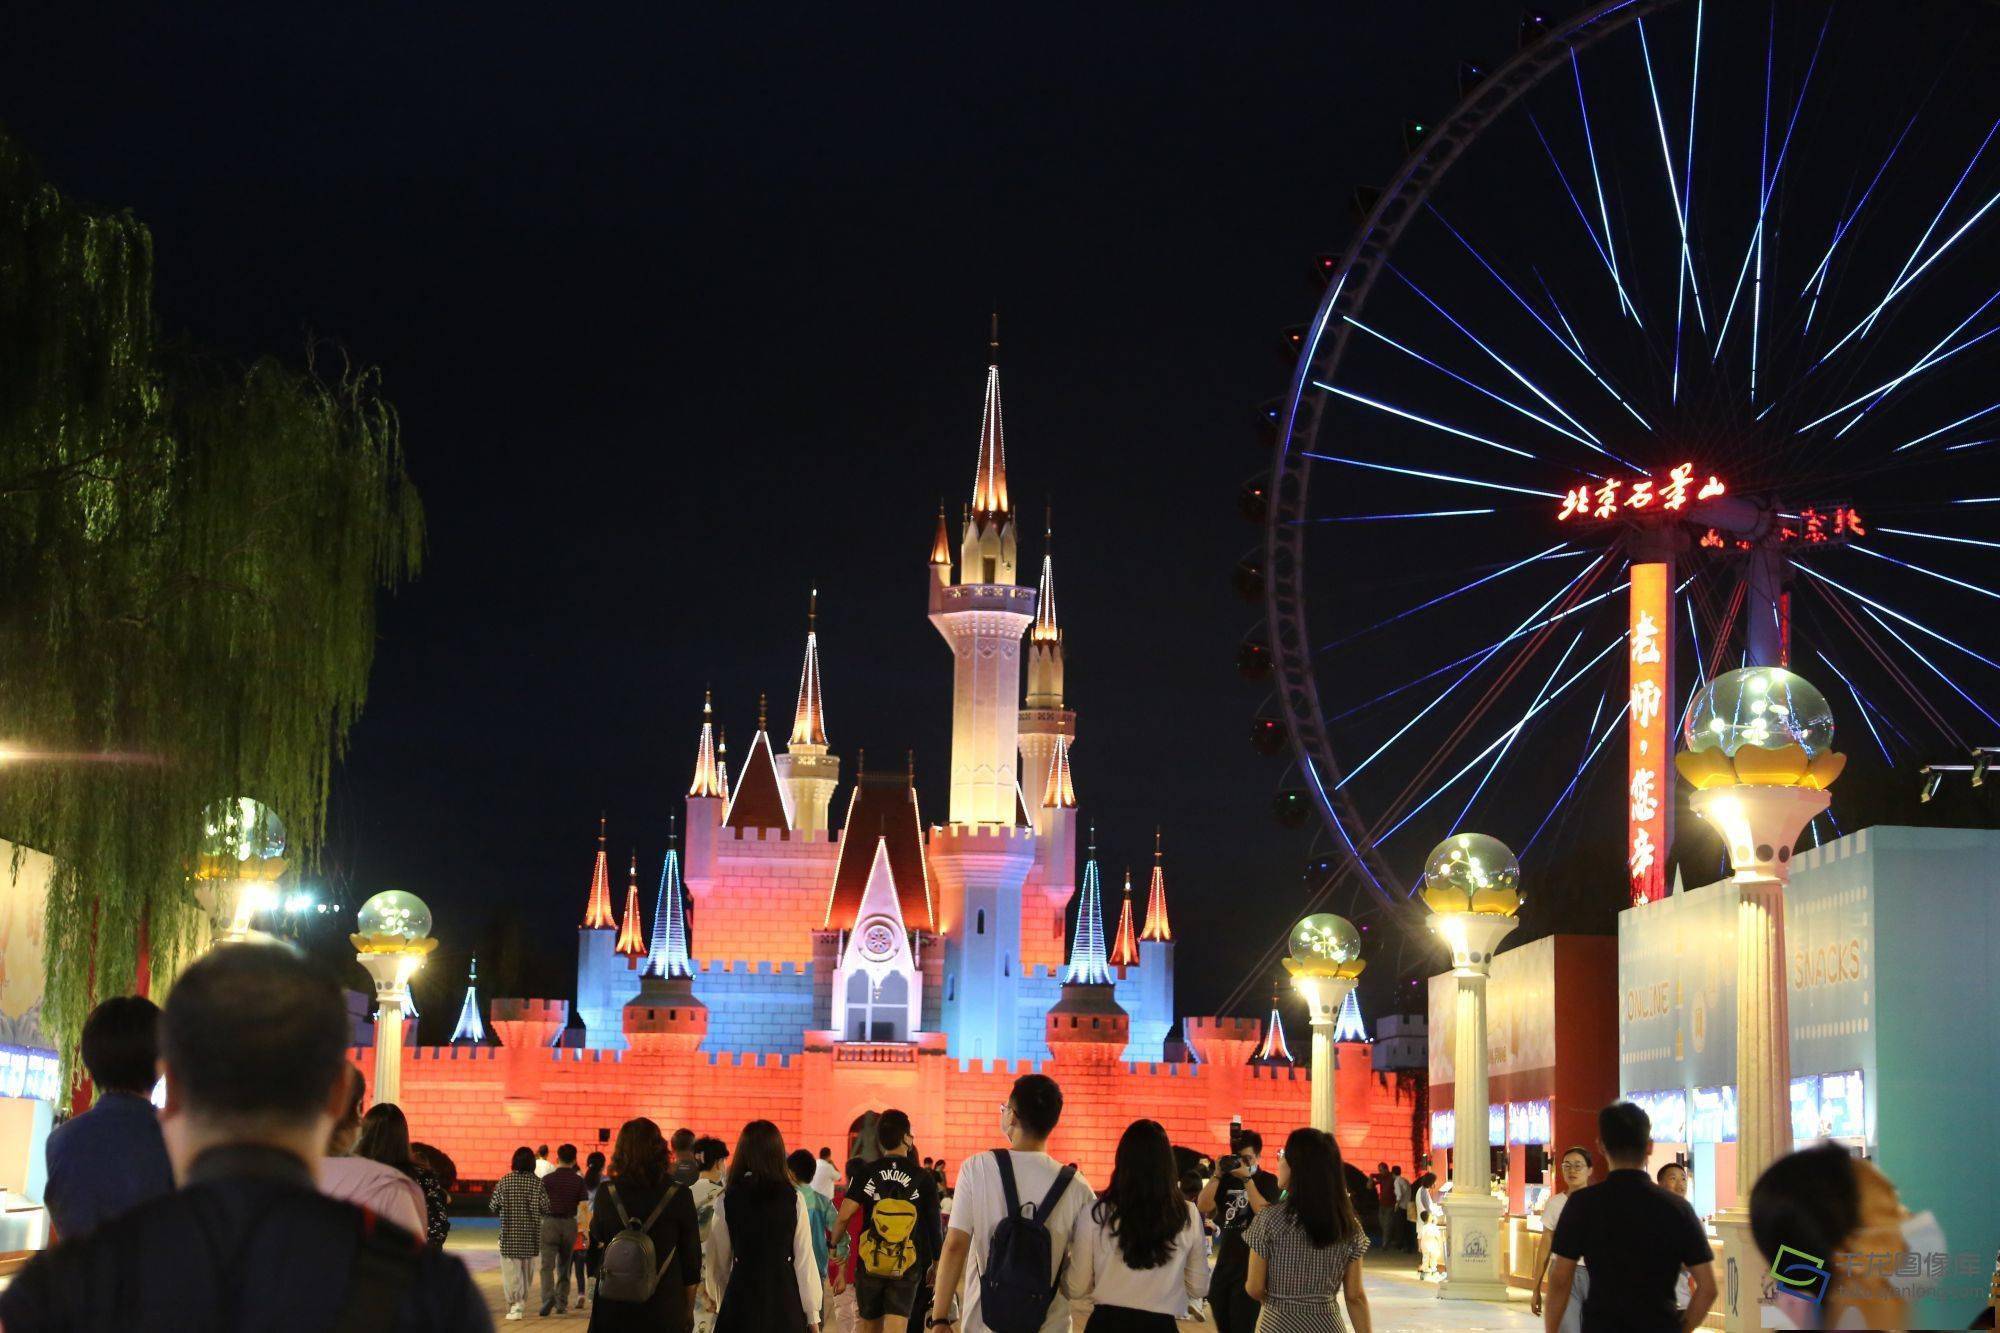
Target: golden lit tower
(809, 770)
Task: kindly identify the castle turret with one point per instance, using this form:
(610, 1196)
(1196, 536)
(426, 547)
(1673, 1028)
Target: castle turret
(1046, 726)
(808, 769)
(470, 1031)
(597, 908)
(604, 978)
(759, 799)
(669, 955)
(1087, 1024)
(983, 855)
(1149, 989)
(1274, 1052)
(705, 801)
(631, 936)
(665, 1017)
(1125, 940)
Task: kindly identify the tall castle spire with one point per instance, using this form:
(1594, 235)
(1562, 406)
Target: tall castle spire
(1059, 792)
(597, 915)
(1125, 946)
(987, 548)
(1274, 1051)
(1156, 900)
(669, 957)
(1347, 1026)
(470, 1030)
(707, 778)
(631, 942)
(808, 771)
(809, 717)
(722, 759)
(1087, 966)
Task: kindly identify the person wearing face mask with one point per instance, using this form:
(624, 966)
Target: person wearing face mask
(1234, 1195)
(1826, 1201)
(1572, 1174)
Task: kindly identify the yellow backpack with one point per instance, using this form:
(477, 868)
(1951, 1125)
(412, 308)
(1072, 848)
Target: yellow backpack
(888, 1243)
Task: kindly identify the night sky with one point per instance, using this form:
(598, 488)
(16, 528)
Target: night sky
(684, 309)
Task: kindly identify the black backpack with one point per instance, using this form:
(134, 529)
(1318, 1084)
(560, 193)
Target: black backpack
(630, 1268)
(1015, 1289)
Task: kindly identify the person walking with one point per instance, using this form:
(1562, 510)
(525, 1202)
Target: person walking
(253, 1043)
(584, 1257)
(1024, 1187)
(376, 1186)
(563, 1191)
(825, 1174)
(641, 1193)
(1306, 1250)
(820, 1220)
(519, 1199)
(710, 1157)
(385, 1138)
(1572, 1173)
(1238, 1191)
(1634, 1237)
(901, 1228)
(686, 1167)
(1406, 1217)
(1136, 1259)
(436, 1174)
(110, 1159)
(542, 1163)
(1826, 1201)
(759, 1272)
(1385, 1203)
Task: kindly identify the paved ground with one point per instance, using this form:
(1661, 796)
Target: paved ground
(1399, 1301)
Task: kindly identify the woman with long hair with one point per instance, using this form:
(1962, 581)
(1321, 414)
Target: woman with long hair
(437, 1173)
(1573, 1173)
(385, 1138)
(1308, 1248)
(761, 1275)
(1136, 1261)
(641, 1187)
(382, 1187)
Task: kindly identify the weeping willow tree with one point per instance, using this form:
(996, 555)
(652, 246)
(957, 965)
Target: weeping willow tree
(190, 555)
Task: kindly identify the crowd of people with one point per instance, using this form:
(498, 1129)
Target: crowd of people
(265, 1195)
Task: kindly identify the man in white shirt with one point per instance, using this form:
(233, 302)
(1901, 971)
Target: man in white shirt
(1026, 1120)
(825, 1174)
(542, 1163)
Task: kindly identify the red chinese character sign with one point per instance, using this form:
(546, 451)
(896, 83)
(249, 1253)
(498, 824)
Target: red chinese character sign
(1649, 793)
(1619, 495)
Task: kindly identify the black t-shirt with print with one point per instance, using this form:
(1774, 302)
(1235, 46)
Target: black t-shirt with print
(1232, 1216)
(899, 1177)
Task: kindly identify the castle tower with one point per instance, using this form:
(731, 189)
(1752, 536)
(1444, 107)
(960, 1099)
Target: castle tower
(1149, 990)
(983, 855)
(808, 769)
(1125, 941)
(1045, 905)
(707, 795)
(877, 989)
(1347, 1026)
(604, 978)
(759, 799)
(470, 1031)
(631, 937)
(1045, 724)
(1087, 1025)
(1274, 1053)
(665, 1017)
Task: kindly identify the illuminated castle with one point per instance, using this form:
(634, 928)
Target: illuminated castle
(885, 929)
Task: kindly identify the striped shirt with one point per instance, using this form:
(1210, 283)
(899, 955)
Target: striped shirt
(520, 1200)
(1301, 1278)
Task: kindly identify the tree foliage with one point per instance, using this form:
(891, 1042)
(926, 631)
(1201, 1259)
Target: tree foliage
(190, 554)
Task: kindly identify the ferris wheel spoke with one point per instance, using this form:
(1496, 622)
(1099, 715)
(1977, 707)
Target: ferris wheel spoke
(1946, 578)
(1936, 670)
(1936, 356)
(1816, 280)
(1917, 625)
(1482, 657)
(1431, 476)
(1860, 707)
(1503, 738)
(1499, 758)
(1611, 265)
(1946, 429)
(1561, 550)
(1589, 758)
(1610, 250)
(1940, 537)
(1408, 415)
(1684, 263)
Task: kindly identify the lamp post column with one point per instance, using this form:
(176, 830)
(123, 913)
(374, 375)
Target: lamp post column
(391, 973)
(1472, 1262)
(1323, 996)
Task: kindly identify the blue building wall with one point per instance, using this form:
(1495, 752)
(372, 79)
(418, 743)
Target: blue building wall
(757, 1009)
(604, 983)
(982, 978)
(1145, 994)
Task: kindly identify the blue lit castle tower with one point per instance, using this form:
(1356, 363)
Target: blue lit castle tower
(800, 932)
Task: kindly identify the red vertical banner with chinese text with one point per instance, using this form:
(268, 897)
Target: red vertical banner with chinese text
(1649, 784)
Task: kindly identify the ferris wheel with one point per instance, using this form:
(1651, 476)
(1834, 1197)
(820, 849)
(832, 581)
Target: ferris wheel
(1670, 349)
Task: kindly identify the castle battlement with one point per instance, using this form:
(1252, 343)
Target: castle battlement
(436, 1053)
(743, 967)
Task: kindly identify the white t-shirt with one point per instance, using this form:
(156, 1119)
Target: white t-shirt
(825, 1176)
(978, 1206)
(1098, 1274)
(543, 1166)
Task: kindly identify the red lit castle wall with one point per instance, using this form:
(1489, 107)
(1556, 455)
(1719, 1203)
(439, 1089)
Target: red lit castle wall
(480, 1103)
(765, 896)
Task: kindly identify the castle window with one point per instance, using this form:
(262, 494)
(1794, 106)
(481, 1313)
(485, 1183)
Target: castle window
(1006, 965)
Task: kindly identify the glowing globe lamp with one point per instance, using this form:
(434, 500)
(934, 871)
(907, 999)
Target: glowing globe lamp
(241, 838)
(394, 921)
(1325, 945)
(1759, 726)
(1471, 872)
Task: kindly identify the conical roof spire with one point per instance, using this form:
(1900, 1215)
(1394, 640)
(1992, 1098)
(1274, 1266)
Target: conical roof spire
(707, 778)
(1125, 947)
(1347, 1026)
(941, 543)
(669, 957)
(1274, 1051)
(809, 718)
(722, 758)
(989, 481)
(631, 940)
(1046, 630)
(470, 1030)
(597, 915)
(1156, 900)
(1086, 958)
(1060, 792)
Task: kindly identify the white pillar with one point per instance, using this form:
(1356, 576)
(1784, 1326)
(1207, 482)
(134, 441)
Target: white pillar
(391, 973)
(1323, 997)
(1759, 826)
(1472, 1251)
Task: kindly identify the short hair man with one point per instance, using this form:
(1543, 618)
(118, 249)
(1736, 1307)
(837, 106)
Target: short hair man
(884, 1300)
(1633, 1238)
(801, 1165)
(686, 1169)
(564, 1189)
(254, 1045)
(111, 1159)
(1233, 1196)
(1027, 1118)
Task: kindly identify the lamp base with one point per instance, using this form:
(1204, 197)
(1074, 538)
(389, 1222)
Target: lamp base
(1472, 1250)
(1744, 1289)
